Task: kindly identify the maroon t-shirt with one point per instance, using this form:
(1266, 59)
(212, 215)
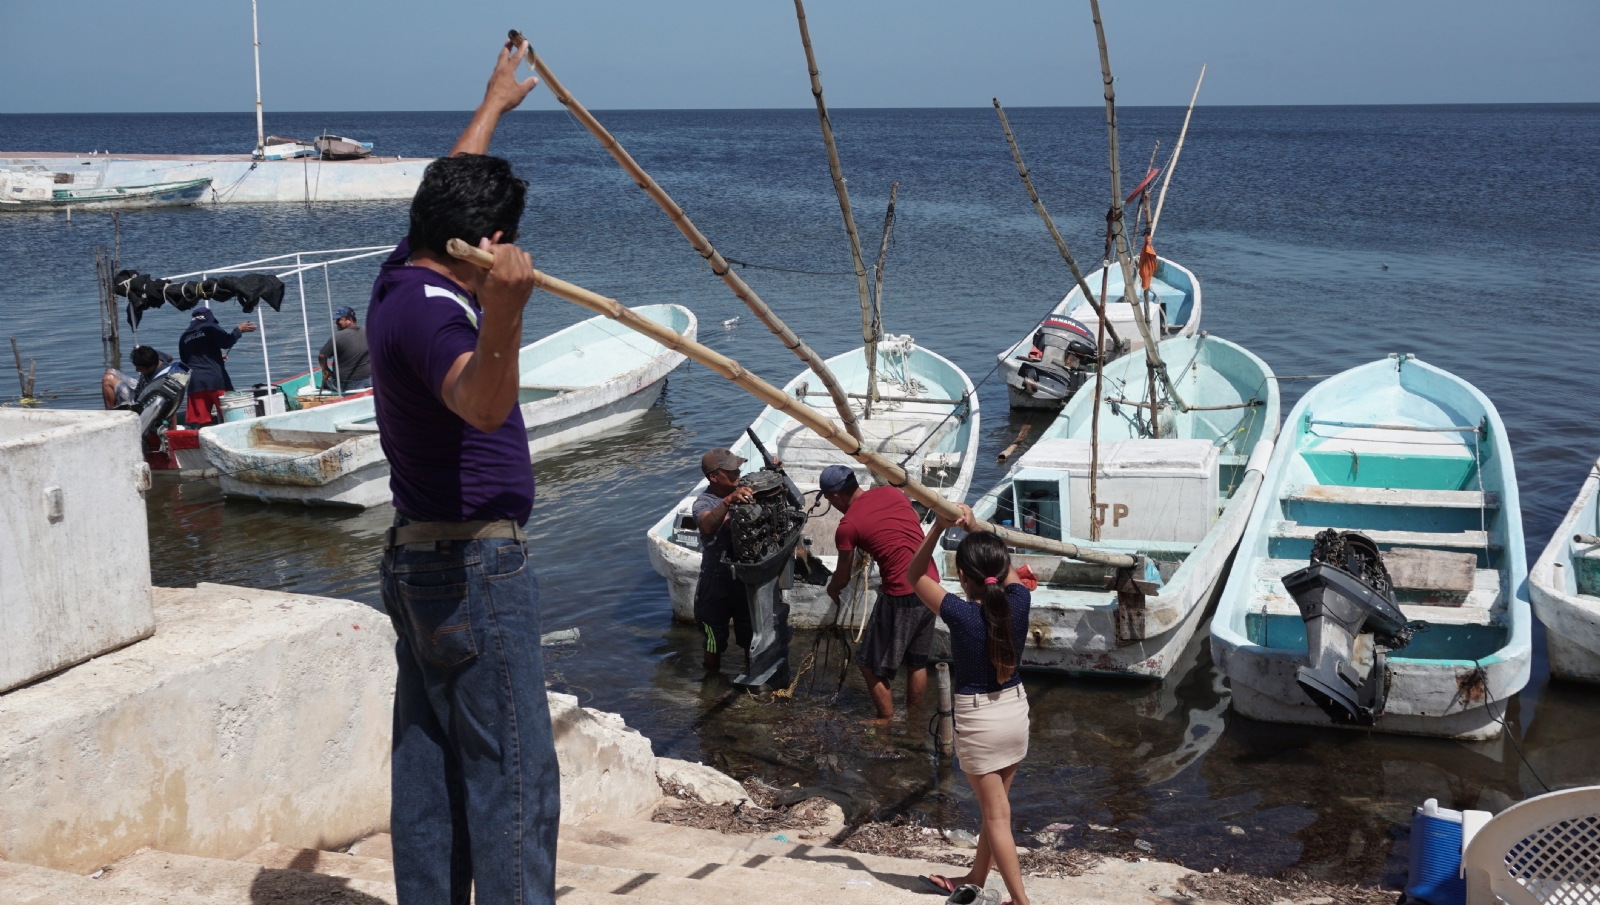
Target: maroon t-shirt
(441, 469)
(882, 522)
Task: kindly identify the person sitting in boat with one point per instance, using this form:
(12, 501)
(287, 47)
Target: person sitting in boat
(881, 523)
(120, 390)
(349, 348)
(718, 596)
(203, 349)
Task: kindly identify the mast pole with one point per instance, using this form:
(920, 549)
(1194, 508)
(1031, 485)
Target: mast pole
(255, 34)
(1173, 163)
(873, 331)
(1116, 228)
(837, 171)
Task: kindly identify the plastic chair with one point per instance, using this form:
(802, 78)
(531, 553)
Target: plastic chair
(1543, 851)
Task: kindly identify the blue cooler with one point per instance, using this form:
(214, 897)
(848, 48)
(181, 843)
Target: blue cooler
(1435, 874)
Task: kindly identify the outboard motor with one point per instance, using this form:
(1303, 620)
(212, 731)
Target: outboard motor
(1059, 363)
(765, 533)
(1344, 594)
(157, 403)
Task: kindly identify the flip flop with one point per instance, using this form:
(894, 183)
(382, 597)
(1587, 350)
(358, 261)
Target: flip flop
(943, 885)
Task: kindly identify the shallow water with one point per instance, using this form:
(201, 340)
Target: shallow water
(1323, 237)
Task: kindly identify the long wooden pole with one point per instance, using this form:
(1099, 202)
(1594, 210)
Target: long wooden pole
(1114, 225)
(1173, 163)
(874, 331)
(823, 426)
(1049, 224)
(719, 265)
(843, 191)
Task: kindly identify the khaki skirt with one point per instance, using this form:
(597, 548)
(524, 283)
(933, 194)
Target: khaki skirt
(991, 730)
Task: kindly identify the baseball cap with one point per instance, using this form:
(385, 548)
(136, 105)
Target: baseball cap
(835, 478)
(718, 459)
(344, 311)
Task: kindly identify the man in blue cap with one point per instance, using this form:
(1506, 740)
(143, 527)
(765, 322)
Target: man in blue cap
(881, 522)
(348, 349)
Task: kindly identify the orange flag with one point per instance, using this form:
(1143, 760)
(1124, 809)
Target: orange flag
(1147, 263)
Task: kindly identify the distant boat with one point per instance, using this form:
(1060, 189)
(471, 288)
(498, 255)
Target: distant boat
(1416, 461)
(578, 383)
(928, 417)
(276, 147)
(22, 190)
(1038, 377)
(1182, 500)
(1565, 584)
(334, 147)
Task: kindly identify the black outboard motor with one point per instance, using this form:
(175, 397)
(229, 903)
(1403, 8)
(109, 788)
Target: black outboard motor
(765, 533)
(1060, 362)
(1344, 593)
(159, 401)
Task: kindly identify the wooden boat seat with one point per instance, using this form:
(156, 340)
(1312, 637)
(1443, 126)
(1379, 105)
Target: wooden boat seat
(1392, 496)
(294, 441)
(1457, 540)
(892, 434)
(1484, 605)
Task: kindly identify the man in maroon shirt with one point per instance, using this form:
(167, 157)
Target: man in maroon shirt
(881, 522)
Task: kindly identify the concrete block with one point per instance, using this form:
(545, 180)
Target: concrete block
(607, 769)
(708, 784)
(249, 716)
(74, 547)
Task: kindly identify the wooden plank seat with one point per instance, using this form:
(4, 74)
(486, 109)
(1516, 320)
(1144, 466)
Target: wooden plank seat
(892, 434)
(1392, 496)
(1456, 540)
(1484, 605)
(293, 440)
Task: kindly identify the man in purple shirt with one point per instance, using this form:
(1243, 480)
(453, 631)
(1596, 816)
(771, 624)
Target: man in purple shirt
(476, 787)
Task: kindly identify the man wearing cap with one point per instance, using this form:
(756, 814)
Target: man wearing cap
(882, 523)
(718, 596)
(348, 348)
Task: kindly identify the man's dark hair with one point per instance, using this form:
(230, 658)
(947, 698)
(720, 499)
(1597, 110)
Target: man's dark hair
(144, 356)
(467, 197)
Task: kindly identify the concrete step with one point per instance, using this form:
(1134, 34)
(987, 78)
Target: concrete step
(333, 864)
(25, 884)
(378, 845)
(180, 879)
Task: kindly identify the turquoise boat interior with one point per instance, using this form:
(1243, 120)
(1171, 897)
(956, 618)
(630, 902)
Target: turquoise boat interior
(1172, 287)
(1417, 460)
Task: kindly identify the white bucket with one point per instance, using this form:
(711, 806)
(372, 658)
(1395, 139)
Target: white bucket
(238, 405)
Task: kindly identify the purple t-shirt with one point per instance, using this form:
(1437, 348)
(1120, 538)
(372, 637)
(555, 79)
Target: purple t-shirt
(441, 469)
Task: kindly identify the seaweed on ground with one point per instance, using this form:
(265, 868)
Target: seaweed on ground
(761, 813)
(1240, 889)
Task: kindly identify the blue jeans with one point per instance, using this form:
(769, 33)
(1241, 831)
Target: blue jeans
(476, 787)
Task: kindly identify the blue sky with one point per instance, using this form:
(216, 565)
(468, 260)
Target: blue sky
(194, 55)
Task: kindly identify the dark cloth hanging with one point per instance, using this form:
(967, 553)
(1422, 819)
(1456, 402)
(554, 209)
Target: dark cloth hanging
(144, 292)
(201, 347)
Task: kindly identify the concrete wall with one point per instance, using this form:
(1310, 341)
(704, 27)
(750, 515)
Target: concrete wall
(74, 548)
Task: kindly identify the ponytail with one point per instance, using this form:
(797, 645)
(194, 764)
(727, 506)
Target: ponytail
(983, 559)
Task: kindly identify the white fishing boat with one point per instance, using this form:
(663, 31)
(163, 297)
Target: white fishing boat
(577, 383)
(927, 417)
(1180, 500)
(1382, 582)
(1034, 366)
(35, 189)
(1565, 587)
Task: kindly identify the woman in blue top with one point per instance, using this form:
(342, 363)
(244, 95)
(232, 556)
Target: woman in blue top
(987, 633)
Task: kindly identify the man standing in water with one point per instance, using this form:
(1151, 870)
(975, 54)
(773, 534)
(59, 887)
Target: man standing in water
(476, 787)
(718, 596)
(881, 522)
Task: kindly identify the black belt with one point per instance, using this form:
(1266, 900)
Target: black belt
(433, 532)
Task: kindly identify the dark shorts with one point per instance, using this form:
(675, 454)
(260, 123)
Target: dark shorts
(900, 635)
(715, 605)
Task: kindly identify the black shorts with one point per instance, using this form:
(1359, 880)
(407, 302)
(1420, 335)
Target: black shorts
(715, 604)
(899, 635)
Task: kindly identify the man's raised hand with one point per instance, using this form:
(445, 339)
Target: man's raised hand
(505, 92)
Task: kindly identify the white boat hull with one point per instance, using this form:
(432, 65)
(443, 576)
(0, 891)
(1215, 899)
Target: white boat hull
(1571, 619)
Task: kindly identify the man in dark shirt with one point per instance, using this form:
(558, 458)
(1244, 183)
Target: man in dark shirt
(881, 522)
(204, 351)
(475, 783)
(718, 596)
(121, 390)
(348, 348)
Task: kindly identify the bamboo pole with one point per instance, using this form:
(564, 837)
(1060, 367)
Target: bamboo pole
(1094, 421)
(1173, 163)
(1114, 218)
(875, 332)
(836, 170)
(823, 426)
(945, 731)
(1049, 224)
(719, 265)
